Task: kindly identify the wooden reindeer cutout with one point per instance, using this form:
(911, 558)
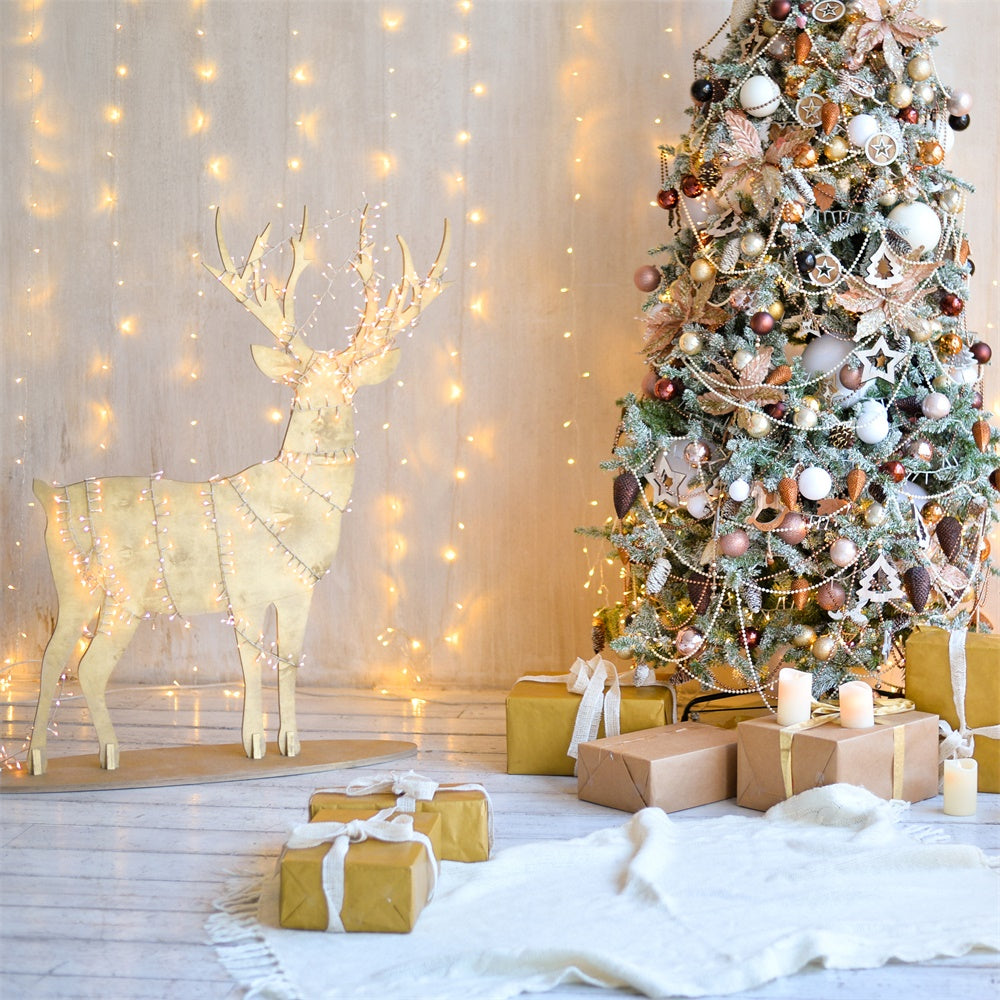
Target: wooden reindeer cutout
(126, 548)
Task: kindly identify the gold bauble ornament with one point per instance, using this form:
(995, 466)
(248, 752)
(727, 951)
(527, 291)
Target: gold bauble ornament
(824, 647)
(701, 270)
(984, 550)
(919, 68)
(900, 95)
(932, 513)
(777, 310)
(793, 211)
(836, 149)
(931, 153)
(804, 637)
(948, 344)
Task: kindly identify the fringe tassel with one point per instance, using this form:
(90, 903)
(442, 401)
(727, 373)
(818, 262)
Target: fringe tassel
(234, 933)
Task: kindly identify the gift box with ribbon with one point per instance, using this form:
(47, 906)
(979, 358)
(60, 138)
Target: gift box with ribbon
(550, 715)
(372, 874)
(897, 758)
(673, 767)
(465, 809)
(957, 676)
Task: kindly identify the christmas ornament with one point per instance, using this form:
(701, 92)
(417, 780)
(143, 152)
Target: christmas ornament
(749, 636)
(808, 110)
(688, 641)
(856, 480)
(691, 186)
(930, 153)
(861, 128)
(948, 532)
(699, 589)
(948, 344)
(981, 434)
(881, 361)
(831, 595)
(917, 584)
(935, 406)
(759, 96)
(805, 419)
(882, 149)
(843, 552)
(788, 490)
(874, 515)
(872, 423)
(701, 90)
(793, 528)
(804, 637)
(958, 123)
(850, 378)
(647, 278)
(918, 224)
(932, 512)
(701, 270)
(895, 470)
(667, 198)
(829, 115)
(666, 388)
(739, 490)
(626, 491)
(815, 483)
(951, 304)
(960, 102)
(752, 245)
(879, 584)
(824, 647)
(734, 543)
(900, 95)
(826, 271)
(657, 576)
(981, 352)
(699, 504)
(825, 353)
(689, 343)
(805, 261)
(800, 593)
(919, 68)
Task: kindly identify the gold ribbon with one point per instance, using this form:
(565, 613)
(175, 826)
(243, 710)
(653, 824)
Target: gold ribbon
(824, 712)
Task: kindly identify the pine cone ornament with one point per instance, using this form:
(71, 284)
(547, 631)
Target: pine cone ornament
(949, 536)
(657, 576)
(981, 434)
(788, 490)
(751, 595)
(803, 46)
(626, 492)
(779, 376)
(917, 584)
(598, 636)
(841, 437)
(800, 593)
(699, 589)
(829, 115)
(856, 480)
(709, 174)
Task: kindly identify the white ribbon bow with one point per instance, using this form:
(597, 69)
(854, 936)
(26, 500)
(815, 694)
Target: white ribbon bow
(409, 788)
(397, 830)
(960, 743)
(589, 678)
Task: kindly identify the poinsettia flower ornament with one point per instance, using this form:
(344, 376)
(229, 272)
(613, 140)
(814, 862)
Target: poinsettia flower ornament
(889, 23)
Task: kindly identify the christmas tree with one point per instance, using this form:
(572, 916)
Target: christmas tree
(808, 472)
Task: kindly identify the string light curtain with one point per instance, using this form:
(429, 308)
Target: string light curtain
(532, 126)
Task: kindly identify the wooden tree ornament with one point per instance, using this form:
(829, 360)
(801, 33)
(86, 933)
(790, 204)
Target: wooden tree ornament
(127, 548)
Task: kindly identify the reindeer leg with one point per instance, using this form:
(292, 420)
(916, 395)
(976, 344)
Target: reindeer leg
(251, 658)
(54, 660)
(114, 633)
(293, 614)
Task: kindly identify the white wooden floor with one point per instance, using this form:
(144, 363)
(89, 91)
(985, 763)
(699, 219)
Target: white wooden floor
(104, 894)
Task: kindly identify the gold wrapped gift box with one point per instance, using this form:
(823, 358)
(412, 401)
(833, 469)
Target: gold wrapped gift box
(464, 812)
(541, 716)
(673, 767)
(895, 758)
(386, 885)
(928, 686)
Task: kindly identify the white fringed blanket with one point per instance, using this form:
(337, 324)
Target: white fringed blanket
(666, 908)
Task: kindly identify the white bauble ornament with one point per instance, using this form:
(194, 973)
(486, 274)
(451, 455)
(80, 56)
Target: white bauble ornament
(815, 483)
(861, 128)
(960, 102)
(874, 515)
(742, 358)
(699, 505)
(935, 406)
(826, 353)
(759, 96)
(739, 490)
(805, 419)
(872, 422)
(913, 491)
(752, 245)
(918, 224)
(700, 209)
(688, 641)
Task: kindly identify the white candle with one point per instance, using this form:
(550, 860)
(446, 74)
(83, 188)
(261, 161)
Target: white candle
(857, 705)
(961, 781)
(794, 696)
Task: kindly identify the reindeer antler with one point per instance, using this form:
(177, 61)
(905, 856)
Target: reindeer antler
(379, 325)
(274, 307)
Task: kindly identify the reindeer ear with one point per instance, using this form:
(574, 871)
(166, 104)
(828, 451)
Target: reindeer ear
(275, 364)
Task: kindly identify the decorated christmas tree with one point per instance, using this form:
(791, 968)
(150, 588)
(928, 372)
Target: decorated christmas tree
(808, 472)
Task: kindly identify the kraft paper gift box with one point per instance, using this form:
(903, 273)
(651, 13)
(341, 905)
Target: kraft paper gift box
(541, 718)
(929, 686)
(386, 885)
(465, 809)
(673, 767)
(897, 758)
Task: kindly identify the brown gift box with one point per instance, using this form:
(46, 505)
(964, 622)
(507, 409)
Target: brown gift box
(672, 767)
(541, 716)
(895, 758)
(928, 686)
(464, 812)
(386, 885)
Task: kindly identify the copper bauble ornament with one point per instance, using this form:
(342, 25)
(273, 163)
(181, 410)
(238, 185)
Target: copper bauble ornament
(691, 186)
(948, 344)
(951, 304)
(895, 469)
(831, 596)
(930, 153)
(647, 278)
(792, 211)
(749, 636)
(666, 388)
(909, 115)
(932, 512)
(667, 198)
(851, 378)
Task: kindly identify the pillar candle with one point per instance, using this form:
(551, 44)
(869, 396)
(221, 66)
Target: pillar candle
(857, 705)
(961, 780)
(794, 696)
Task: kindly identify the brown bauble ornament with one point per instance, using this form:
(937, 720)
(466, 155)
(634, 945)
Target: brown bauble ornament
(949, 535)
(932, 513)
(917, 584)
(851, 378)
(895, 469)
(647, 278)
(981, 352)
(691, 186)
(995, 479)
(909, 115)
(951, 304)
(749, 636)
(734, 543)
(793, 528)
(666, 388)
(667, 198)
(831, 596)
(762, 323)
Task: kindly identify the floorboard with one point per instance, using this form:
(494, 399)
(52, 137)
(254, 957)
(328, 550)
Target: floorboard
(104, 894)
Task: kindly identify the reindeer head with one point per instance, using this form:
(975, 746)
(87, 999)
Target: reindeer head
(329, 379)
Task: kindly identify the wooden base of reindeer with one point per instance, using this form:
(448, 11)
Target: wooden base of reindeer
(197, 765)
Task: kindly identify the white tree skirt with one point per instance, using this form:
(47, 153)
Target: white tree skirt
(664, 908)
